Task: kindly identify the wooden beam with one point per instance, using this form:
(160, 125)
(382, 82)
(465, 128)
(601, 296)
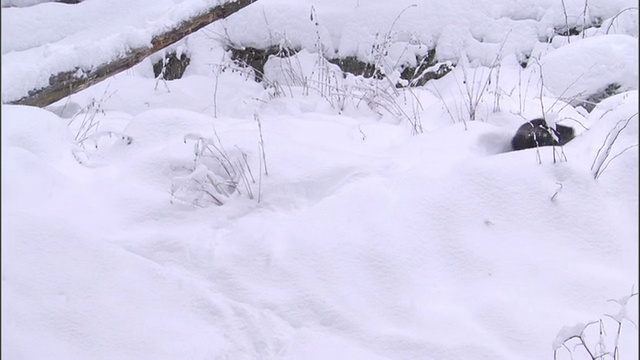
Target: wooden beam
(66, 83)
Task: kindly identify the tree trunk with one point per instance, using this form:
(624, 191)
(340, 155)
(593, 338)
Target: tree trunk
(66, 83)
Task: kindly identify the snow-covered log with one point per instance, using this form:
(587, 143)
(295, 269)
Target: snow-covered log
(70, 82)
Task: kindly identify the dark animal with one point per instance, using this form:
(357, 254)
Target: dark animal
(537, 133)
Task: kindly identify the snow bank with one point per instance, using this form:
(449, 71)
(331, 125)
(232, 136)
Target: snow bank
(585, 67)
(358, 248)
(367, 239)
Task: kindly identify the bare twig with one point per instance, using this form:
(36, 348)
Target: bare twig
(264, 156)
(566, 21)
(616, 16)
(607, 145)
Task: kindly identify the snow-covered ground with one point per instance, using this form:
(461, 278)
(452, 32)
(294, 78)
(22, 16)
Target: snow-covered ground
(316, 216)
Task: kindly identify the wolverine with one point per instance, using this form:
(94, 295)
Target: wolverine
(537, 133)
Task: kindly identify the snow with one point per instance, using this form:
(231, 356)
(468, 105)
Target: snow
(82, 36)
(358, 220)
(591, 65)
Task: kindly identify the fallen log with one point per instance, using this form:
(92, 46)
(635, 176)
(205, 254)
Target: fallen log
(70, 82)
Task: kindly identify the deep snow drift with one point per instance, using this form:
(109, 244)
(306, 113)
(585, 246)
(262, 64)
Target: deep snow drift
(316, 216)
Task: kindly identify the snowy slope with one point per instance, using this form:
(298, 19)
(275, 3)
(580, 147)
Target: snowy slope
(389, 225)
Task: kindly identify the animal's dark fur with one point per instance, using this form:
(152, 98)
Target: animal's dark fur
(537, 132)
